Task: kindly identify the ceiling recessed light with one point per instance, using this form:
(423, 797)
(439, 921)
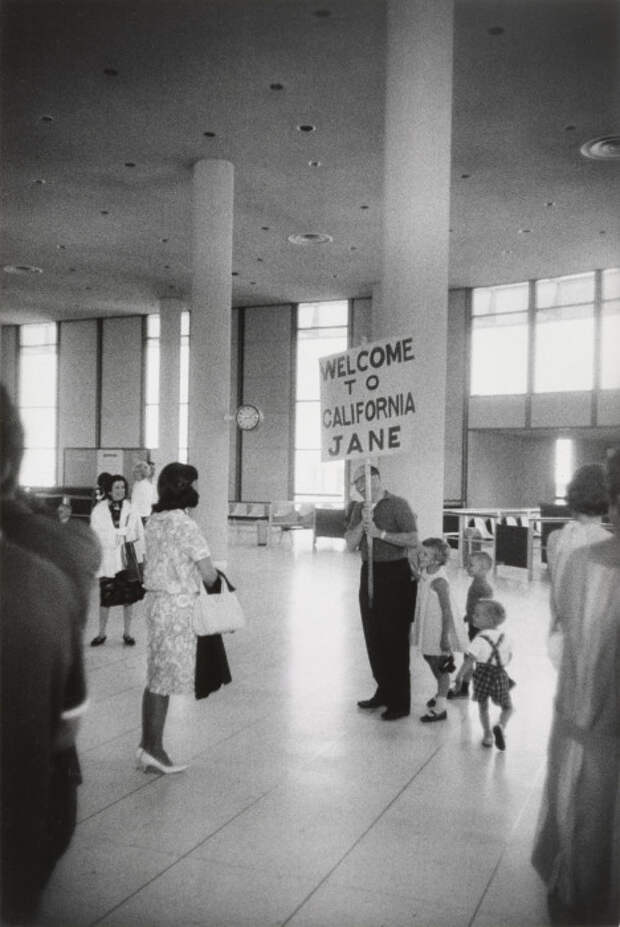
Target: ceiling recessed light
(110, 72)
(310, 238)
(306, 127)
(22, 269)
(209, 134)
(603, 148)
(276, 86)
(314, 163)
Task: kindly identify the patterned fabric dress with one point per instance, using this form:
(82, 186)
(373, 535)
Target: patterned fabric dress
(174, 544)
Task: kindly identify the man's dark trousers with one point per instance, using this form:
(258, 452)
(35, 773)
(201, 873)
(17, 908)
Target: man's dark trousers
(386, 630)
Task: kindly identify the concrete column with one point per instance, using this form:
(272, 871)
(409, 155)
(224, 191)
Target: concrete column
(414, 290)
(169, 370)
(209, 388)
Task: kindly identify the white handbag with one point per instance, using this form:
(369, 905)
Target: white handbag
(218, 612)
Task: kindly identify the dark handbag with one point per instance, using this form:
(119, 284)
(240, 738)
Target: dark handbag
(132, 568)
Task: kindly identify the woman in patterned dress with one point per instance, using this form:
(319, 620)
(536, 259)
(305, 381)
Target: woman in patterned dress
(177, 561)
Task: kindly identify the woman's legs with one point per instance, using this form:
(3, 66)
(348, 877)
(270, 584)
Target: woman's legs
(443, 684)
(127, 616)
(103, 623)
(154, 711)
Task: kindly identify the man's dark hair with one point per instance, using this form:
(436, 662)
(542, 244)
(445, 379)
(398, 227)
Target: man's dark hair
(175, 489)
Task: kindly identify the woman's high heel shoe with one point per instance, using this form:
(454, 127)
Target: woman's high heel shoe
(145, 760)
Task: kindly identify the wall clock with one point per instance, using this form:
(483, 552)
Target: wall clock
(248, 417)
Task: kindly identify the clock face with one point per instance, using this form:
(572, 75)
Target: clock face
(247, 417)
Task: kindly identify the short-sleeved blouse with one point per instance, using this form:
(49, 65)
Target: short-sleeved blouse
(174, 544)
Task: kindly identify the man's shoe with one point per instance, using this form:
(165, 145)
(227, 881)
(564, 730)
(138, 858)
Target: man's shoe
(98, 641)
(393, 714)
(373, 702)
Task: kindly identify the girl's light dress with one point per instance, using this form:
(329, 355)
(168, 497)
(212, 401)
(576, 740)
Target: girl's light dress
(427, 623)
(174, 544)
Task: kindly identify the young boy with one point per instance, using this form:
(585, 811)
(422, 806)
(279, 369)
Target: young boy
(487, 657)
(478, 568)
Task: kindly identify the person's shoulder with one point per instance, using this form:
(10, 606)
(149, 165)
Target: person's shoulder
(398, 502)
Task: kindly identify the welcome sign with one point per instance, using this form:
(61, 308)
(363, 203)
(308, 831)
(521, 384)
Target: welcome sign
(367, 400)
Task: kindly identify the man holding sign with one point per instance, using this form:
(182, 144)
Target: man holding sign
(385, 525)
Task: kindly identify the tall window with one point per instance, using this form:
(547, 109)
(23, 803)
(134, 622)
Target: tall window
(38, 374)
(499, 340)
(564, 453)
(322, 328)
(151, 380)
(184, 389)
(564, 355)
(610, 330)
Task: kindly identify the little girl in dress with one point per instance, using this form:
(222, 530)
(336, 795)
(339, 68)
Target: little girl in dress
(435, 632)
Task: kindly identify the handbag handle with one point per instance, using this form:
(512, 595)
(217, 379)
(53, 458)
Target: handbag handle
(216, 588)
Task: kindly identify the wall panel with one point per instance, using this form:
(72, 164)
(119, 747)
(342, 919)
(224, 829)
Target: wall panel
(267, 375)
(77, 387)
(121, 382)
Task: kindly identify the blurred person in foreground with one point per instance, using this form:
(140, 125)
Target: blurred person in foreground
(588, 500)
(577, 846)
(178, 559)
(47, 572)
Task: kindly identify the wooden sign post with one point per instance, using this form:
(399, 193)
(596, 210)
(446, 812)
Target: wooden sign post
(368, 407)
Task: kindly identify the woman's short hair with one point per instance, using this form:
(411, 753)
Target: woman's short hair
(174, 488)
(441, 548)
(117, 478)
(141, 469)
(587, 491)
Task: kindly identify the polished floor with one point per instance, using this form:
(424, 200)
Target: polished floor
(299, 808)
